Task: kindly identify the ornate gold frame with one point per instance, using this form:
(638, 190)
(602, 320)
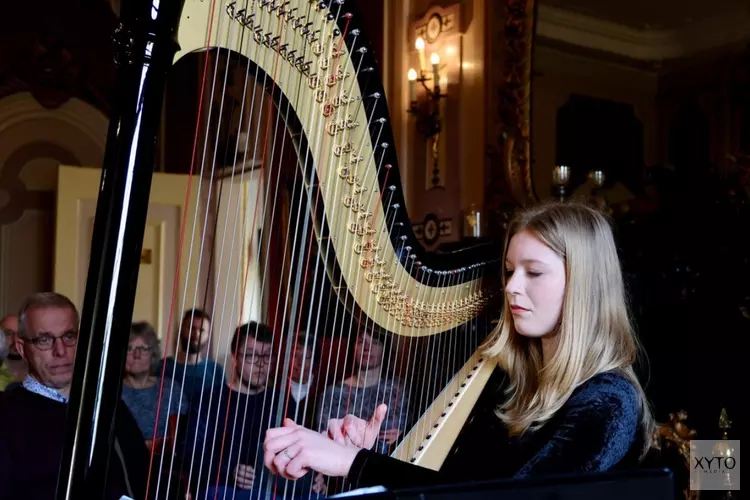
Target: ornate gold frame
(511, 26)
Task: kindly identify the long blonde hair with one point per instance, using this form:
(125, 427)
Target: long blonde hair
(595, 334)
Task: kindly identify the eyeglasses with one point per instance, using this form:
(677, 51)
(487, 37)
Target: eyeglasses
(259, 359)
(45, 341)
(140, 348)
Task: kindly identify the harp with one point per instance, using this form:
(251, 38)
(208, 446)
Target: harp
(350, 258)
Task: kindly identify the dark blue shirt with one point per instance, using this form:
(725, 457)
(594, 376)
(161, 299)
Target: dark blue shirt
(226, 428)
(198, 378)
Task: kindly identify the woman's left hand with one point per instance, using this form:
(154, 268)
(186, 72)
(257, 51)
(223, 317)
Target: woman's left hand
(292, 450)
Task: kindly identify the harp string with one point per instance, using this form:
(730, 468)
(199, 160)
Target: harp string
(235, 380)
(364, 327)
(331, 171)
(293, 337)
(236, 347)
(205, 227)
(265, 394)
(361, 327)
(222, 316)
(411, 259)
(434, 341)
(297, 288)
(183, 224)
(309, 251)
(195, 220)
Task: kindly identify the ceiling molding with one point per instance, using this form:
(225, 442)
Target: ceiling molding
(645, 45)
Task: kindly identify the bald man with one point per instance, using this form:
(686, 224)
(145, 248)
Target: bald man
(14, 365)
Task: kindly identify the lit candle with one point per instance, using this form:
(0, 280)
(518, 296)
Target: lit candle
(412, 76)
(419, 44)
(435, 60)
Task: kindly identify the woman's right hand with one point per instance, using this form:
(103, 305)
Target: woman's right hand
(356, 431)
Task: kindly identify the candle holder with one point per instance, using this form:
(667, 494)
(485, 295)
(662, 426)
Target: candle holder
(425, 106)
(560, 180)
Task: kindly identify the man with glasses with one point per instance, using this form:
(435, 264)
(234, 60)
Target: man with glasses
(229, 430)
(30, 455)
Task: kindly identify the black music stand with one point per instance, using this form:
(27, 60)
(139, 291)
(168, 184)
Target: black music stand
(640, 484)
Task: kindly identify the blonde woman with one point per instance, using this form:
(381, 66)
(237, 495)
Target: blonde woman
(565, 348)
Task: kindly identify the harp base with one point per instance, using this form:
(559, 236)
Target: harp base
(646, 484)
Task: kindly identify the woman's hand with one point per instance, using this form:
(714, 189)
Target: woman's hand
(244, 475)
(356, 431)
(291, 451)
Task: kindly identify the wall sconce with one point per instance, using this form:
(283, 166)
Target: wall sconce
(427, 109)
(437, 36)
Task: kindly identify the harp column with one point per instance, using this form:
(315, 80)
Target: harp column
(145, 48)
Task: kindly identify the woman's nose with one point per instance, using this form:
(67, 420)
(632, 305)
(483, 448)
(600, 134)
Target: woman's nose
(512, 286)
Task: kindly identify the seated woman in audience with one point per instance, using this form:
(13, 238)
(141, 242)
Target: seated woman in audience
(5, 377)
(142, 392)
(565, 349)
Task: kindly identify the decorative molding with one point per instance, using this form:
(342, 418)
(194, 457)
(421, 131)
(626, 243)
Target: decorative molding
(646, 45)
(22, 107)
(47, 135)
(438, 22)
(432, 228)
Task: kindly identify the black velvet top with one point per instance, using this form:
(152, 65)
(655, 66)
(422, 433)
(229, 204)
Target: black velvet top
(597, 429)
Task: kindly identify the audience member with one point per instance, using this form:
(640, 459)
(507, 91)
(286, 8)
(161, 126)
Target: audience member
(36, 412)
(192, 367)
(142, 391)
(300, 404)
(362, 392)
(228, 431)
(5, 376)
(14, 365)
